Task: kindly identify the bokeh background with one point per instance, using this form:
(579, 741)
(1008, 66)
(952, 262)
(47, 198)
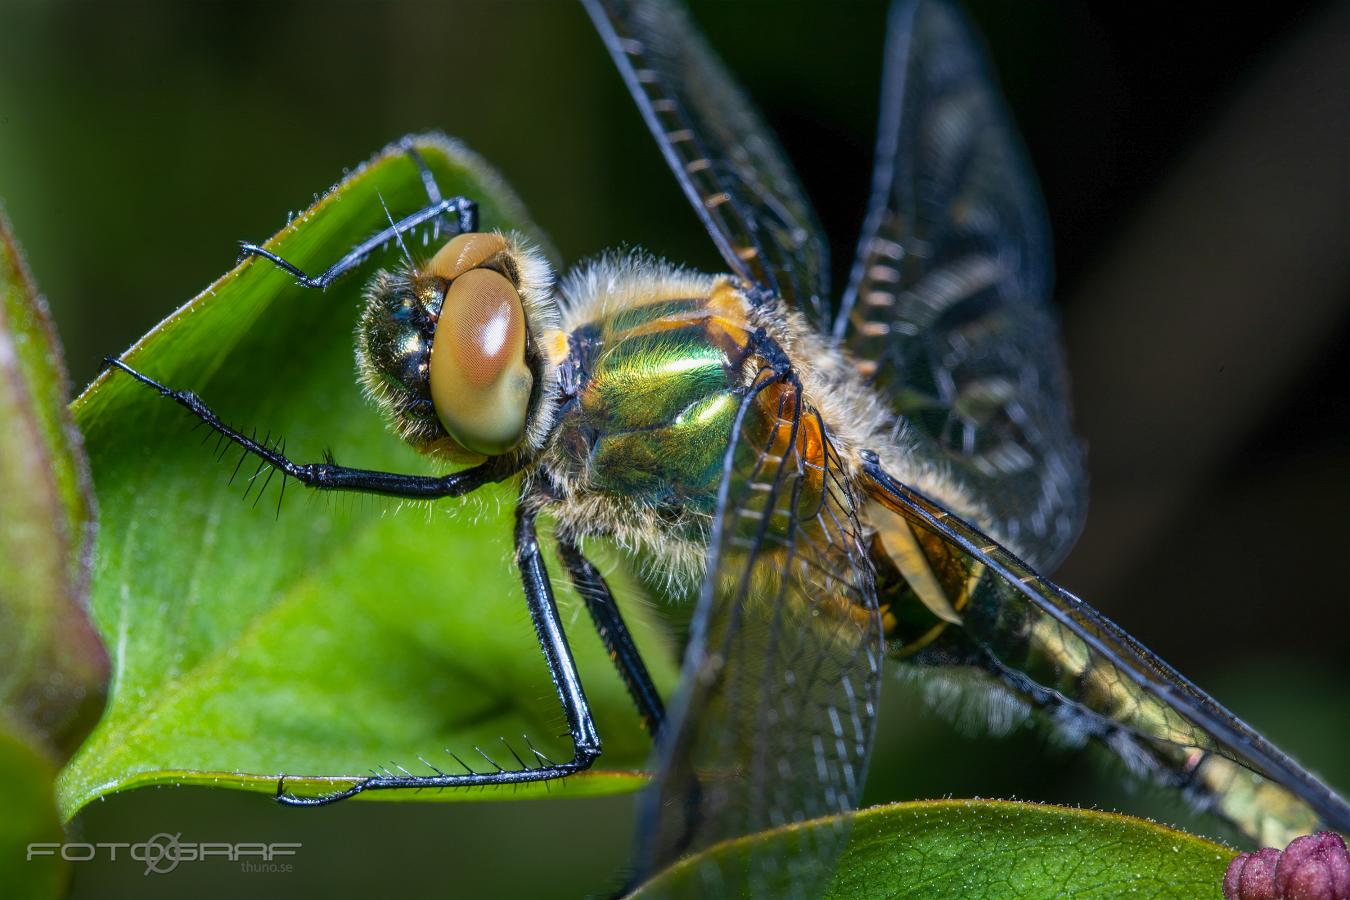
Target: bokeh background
(1194, 163)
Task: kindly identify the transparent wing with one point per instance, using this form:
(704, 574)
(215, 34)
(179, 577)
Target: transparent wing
(1095, 681)
(725, 158)
(775, 717)
(947, 301)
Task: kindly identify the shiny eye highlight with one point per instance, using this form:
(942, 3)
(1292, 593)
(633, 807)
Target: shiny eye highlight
(480, 384)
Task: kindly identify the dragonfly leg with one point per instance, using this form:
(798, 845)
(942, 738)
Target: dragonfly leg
(328, 476)
(464, 210)
(590, 584)
(557, 654)
(428, 179)
(466, 219)
(538, 596)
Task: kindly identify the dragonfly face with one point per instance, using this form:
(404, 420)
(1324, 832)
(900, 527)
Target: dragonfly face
(451, 351)
(837, 482)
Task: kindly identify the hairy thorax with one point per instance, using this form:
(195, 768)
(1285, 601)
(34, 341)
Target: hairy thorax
(653, 363)
(648, 393)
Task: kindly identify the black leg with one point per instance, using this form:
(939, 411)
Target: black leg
(428, 180)
(465, 219)
(561, 666)
(329, 476)
(465, 210)
(590, 584)
(547, 624)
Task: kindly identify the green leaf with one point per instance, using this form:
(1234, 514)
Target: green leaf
(341, 633)
(30, 818)
(973, 849)
(52, 667)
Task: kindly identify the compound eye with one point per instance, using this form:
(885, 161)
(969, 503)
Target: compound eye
(480, 384)
(464, 252)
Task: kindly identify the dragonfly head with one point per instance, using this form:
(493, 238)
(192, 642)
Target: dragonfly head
(452, 350)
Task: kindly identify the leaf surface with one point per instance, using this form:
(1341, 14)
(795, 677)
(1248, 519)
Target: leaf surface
(976, 849)
(339, 634)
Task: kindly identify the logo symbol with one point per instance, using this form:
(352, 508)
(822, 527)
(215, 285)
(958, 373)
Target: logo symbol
(161, 853)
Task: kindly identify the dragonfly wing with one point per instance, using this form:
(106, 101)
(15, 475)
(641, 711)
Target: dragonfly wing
(947, 304)
(1062, 657)
(774, 721)
(724, 156)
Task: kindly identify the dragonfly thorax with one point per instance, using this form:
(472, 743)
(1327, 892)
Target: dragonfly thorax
(649, 382)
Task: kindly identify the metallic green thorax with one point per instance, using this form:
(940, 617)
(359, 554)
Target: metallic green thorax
(654, 403)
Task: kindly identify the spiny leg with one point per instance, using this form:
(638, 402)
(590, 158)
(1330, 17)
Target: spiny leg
(428, 179)
(465, 210)
(329, 476)
(466, 219)
(557, 654)
(609, 624)
(538, 597)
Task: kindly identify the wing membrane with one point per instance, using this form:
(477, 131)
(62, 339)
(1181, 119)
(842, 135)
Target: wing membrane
(1060, 656)
(947, 300)
(775, 719)
(725, 158)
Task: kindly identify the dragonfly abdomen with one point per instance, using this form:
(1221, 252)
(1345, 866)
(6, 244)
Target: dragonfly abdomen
(944, 613)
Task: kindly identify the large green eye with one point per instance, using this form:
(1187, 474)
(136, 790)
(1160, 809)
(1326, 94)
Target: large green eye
(480, 384)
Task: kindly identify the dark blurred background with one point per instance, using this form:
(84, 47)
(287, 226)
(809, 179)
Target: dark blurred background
(1194, 163)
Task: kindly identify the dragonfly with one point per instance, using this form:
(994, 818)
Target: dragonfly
(839, 483)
